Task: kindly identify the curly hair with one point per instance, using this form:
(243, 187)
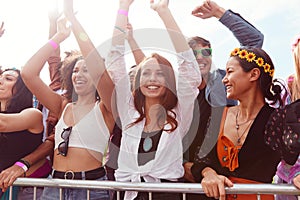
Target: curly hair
(66, 72)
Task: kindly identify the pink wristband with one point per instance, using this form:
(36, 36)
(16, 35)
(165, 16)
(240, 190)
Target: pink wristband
(53, 44)
(23, 166)
(123, 12)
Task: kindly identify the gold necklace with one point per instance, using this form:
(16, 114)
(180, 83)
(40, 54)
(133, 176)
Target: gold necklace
(237, 126)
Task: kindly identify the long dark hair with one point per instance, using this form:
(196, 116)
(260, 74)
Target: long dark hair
(21, 98)
(168, 101)
(271, 90)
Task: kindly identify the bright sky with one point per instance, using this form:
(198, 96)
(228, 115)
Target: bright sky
(26, 24)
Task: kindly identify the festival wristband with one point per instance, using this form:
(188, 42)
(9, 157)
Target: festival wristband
(123, 12)
(53, 44)
(23, 166)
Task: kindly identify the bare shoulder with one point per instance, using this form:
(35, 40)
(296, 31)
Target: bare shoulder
(32, 111)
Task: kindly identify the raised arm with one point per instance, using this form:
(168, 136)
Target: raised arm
(136, 50)
(244, 32)
(54, 60)
(178, 40)
(94, 62)
(189, 77)
(31, 70)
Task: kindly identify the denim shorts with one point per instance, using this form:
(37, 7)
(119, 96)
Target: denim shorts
(52, 193)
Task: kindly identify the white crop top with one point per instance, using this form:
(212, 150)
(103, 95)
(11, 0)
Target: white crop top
(89, 133)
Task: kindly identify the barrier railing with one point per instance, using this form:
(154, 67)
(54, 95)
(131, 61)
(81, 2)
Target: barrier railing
(183, 188)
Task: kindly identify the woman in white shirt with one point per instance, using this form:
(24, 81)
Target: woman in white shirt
(156, 115)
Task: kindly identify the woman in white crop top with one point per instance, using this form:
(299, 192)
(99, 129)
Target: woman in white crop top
(157, 115)
(84, 125)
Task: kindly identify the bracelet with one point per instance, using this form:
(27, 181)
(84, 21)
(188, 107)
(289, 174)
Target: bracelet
(120, 29)
(298, 173)
(25, 163)
(123, 12)
(53, 44)
(23, 166)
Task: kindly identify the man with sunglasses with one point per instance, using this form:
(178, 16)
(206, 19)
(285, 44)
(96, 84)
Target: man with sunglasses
(212, 95)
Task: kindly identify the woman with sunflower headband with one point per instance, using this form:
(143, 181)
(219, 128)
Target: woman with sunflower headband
(241, 154)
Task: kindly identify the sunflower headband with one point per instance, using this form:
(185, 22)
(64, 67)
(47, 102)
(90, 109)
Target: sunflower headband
(251, 57)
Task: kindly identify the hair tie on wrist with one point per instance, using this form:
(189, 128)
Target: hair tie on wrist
(123, 12)
(25, 163)
(120, 29)
(53, 44)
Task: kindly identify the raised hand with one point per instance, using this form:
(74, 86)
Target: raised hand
(159, 5)
(2, 29)
(63, 30)
(125, 3)
(208, 9)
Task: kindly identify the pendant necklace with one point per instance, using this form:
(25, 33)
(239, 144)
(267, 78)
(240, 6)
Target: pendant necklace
(237, 127)
(148, 142)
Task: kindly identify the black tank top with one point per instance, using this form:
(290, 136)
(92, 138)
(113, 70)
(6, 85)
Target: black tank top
(16, 145)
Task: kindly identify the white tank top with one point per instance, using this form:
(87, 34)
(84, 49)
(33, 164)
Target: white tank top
(89, 133)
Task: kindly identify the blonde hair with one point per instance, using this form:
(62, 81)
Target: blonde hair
(295, 84)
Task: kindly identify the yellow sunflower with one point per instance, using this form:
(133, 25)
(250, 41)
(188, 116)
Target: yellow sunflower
(259, 62)
(235, 52)
(243, 54)
(250, 57)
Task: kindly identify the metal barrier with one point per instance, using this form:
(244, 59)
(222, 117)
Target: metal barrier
(183, 188)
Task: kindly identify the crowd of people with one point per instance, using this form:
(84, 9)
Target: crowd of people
(198, 124)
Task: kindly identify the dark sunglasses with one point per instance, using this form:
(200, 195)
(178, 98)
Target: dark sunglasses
(205, 52)
(63, 146)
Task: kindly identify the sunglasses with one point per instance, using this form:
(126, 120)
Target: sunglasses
(205, 52)
(63, 146)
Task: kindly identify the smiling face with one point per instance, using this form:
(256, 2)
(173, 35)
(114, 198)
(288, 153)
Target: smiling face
(81, 79)
(152, 79)
(204, 61)
(236, 80)
(8, 80)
